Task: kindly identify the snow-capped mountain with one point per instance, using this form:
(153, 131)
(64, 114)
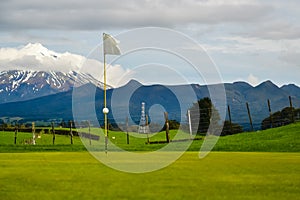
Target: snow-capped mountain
(33, 71)
(38, 58)
(18, 85)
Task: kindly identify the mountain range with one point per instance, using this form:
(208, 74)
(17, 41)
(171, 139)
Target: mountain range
(39, 84)
(126, 101)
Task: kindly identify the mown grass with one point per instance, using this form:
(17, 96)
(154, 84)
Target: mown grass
(282, 139)
(47, 171)
(220, 175)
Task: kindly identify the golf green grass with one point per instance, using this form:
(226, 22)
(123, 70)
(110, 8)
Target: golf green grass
(220, 175)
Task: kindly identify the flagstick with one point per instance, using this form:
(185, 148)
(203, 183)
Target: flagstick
(105, 113)
(112, 49)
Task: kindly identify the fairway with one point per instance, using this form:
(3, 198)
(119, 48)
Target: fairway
(220, 175)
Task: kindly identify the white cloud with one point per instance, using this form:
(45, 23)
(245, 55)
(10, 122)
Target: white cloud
(239, 44)
(251, 35)
(275, 30)
(37, 57)
(92, 14)
(253, 80)
(291, 57)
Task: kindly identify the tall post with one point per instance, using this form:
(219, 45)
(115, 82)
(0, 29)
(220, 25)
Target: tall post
(127, 135)
(292, 110)
(230, 121)
(16, 133)
(270, 112)
(33, 133)
(249, 115)
(110, 46)
(90, 135)
(143, 125)
(190, 123)
(148, 140)
(71, 133)
(53, 133)
(167, 127)
(105, 109)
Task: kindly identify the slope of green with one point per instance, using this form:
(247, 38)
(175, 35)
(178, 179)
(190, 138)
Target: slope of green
(282, 139)
(220, 175)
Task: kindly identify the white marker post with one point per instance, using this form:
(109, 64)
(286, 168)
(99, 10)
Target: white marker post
(33, 133)
(190, 123)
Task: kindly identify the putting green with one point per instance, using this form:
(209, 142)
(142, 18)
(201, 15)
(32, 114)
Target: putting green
(220, 175)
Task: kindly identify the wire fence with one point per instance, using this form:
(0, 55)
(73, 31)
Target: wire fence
(240, 117)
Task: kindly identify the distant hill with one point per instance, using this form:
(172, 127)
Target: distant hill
(292, 89)
(127, 99)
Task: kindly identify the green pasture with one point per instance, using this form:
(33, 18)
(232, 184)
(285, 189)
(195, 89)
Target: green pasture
(282, 139)
(220, 175)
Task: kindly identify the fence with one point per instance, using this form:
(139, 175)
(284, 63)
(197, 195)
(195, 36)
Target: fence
(242, 116)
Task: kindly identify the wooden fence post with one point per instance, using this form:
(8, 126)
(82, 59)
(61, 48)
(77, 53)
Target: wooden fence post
(53, 133)
(127, 135)
(33, 133)
(16, 133)
(148, 140)
(292, 110)
(229, 115)
(90, 135)
(249, 115)
(71, 134)
(167, 127)
(270, 111)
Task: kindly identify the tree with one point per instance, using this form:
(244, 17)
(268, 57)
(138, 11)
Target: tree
(280, 118)
(63, 124)
(173, 125)
(203, 114)
(230, 129)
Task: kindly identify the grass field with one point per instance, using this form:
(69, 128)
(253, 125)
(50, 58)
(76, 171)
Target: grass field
(282, 139)
(65, 171)
(220, 175)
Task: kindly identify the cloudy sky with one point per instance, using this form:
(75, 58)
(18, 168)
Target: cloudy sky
(248, 40)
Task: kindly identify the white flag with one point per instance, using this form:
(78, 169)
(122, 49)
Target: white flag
(110, 45)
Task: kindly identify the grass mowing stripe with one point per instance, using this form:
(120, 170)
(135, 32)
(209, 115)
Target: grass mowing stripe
(220, 175)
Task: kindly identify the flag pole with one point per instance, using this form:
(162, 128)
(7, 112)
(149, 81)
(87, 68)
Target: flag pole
(110, 46)
(105, 111)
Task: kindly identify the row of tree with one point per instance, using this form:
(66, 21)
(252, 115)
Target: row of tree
(284, 117)
(204, 115)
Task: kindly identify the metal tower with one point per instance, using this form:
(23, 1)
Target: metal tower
(143, 127)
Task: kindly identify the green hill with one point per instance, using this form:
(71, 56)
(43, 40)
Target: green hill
(282, 139)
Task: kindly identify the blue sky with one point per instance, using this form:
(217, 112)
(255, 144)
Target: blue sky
(248, 40)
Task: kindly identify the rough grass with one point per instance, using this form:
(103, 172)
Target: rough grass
(282, 139)
(220, 175)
